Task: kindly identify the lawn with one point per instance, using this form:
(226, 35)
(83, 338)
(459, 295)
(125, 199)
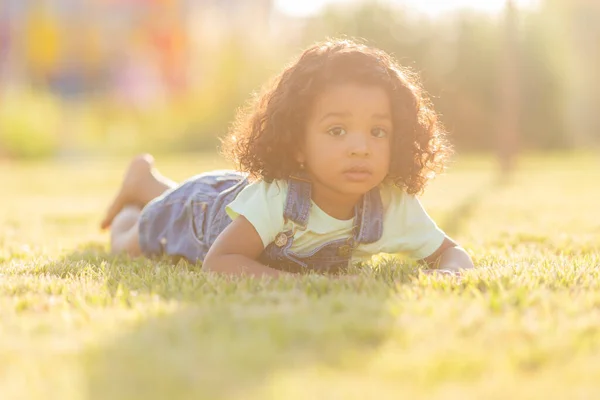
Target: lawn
(77, 323)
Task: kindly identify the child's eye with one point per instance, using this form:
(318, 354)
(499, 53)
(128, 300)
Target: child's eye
(379, 132)
(336, 131)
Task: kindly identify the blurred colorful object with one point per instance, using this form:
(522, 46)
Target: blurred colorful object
(170, 73)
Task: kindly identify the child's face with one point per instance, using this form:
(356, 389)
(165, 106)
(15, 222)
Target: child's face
(348, 138)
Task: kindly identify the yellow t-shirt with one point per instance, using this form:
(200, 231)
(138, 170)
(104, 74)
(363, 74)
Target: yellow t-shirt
(406, 226)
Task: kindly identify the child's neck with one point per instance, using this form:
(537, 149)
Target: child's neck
(336, 205)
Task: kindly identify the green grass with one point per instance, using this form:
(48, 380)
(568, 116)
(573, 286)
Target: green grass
(76, 323)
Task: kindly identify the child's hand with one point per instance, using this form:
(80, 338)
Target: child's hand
(442, 272)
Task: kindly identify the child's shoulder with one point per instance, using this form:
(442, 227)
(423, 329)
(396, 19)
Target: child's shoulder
(398, 202)
(260, 187)
(391, 193)
(260, 198)
(274, 184)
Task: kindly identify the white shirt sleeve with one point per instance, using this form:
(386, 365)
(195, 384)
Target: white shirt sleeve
(407, 227)
(262, 204)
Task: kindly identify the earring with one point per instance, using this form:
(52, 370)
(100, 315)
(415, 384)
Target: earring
(301, 165)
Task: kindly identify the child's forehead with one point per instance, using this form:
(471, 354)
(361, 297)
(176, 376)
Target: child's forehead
(345, 97)
(350, 92)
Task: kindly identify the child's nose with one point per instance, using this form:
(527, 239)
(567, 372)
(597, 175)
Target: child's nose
(359, 145)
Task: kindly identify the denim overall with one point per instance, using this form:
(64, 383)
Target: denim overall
(186, 221)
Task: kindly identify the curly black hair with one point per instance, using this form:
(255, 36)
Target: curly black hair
(265, 135)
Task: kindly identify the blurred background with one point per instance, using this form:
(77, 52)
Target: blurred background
(99, 77)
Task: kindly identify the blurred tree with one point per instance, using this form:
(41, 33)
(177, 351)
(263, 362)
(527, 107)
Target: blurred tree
(509, 92)
(471, 105)
(543, 109)
(576, 29)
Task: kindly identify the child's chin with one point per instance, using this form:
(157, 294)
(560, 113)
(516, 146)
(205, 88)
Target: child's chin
(358, 188)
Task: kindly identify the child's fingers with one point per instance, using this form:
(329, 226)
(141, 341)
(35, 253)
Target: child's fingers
(441, 272)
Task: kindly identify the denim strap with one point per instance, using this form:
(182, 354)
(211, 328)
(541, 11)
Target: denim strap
(369, 217)
(297, 205)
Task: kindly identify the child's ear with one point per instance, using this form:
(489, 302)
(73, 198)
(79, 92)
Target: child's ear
(300, 157)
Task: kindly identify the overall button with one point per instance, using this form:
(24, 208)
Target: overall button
(281, 239)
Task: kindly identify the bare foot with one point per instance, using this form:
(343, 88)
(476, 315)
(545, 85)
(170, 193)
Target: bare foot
(124, 235)
(141, 184)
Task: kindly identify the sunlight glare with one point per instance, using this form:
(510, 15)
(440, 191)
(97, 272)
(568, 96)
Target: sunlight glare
(439, 7)
(306, 8)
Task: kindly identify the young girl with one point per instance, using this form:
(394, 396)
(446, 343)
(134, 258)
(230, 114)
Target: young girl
(333, 153)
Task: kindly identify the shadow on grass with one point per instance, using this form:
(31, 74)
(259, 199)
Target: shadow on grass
(233, 346)
(200, 336)
(117, 271)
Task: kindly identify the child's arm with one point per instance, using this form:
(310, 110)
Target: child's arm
(235, 251)
(449, 256)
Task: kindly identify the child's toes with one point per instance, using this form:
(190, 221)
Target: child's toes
(115, 207)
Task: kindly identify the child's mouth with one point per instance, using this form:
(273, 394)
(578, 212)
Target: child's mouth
(358, 174)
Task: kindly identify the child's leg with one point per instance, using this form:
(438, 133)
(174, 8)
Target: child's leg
(124, 237)
(141, 184)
